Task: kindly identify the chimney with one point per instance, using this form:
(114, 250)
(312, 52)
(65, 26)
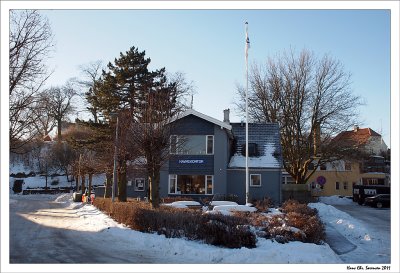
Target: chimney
(355, 127)
(226, 116)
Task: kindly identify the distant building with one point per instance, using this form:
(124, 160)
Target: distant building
(338, 177)
(365, 139)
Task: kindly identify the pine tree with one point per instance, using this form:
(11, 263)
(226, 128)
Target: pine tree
(145, 102)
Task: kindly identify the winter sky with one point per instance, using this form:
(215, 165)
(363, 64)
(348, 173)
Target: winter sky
(206, 42)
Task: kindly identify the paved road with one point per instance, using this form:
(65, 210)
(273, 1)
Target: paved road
(56, 240)
(379, 219)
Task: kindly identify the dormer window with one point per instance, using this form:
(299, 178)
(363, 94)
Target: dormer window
(253, 150)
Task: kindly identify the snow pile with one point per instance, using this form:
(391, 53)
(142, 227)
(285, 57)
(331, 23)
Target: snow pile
(349, 227)
(272, 212)
(63, 198)
(182, 204)
(221, 203)
(335, 200)
(235, 208)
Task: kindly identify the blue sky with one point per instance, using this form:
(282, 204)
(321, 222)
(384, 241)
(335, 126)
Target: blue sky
(208, 46)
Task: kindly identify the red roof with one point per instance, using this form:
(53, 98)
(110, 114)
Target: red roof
(359, 136)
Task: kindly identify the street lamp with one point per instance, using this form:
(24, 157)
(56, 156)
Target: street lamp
(114, 185)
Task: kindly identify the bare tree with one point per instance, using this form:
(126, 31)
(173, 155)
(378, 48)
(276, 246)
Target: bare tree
(63, 157)
(312, 101)
(43, 121)
(59, 101)
(30, 44)
(150, 134)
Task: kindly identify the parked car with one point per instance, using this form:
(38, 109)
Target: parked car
(379, 201)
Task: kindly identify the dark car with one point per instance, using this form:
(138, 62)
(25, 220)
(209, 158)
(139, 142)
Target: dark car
(379, 201)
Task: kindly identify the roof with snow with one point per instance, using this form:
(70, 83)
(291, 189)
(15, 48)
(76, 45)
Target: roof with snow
(267, 139)
(205, 117)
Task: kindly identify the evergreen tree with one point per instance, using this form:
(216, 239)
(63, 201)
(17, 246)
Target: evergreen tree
(145, 102)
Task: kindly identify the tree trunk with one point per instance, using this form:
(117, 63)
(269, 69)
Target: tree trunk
(83, 183)
(122, 182)
(59, 129)
(154, 182)
(107, 190)
(90, 184)
(77, 183)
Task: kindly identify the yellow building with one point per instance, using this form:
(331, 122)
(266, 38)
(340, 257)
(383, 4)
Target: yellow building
(338, 178)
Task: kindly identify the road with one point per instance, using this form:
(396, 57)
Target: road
(378, 219)
(58, 240)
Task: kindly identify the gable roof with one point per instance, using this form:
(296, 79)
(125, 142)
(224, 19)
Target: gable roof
(361, 136)
(267, 138)
(203, 116)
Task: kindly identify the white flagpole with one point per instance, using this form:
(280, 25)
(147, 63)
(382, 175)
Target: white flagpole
(247, 115)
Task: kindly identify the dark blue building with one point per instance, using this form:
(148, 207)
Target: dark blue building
(207, 158)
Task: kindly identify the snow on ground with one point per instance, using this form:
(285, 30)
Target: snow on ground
(336, 200)
(40, 181)
(372, 244)
(220, 203)
(267, 251)
(351, 228)
(234, 208)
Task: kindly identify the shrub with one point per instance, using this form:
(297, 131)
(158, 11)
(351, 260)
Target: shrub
(220, 230)
(264, 204)
(175, 199)
(295, 206)
(54, 182)
(312, 226)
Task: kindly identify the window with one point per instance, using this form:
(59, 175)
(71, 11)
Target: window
(191, 144)
(347, 166)
(322, 167)
(372, 181)
(191, 184)
(253, 149)
(255, 180)
(210, 145)
(337, 186)
(172, 183)
(209, 184)
(345, 185)
(139, 184)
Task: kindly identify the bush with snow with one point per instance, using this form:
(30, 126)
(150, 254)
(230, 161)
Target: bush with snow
(227, 231)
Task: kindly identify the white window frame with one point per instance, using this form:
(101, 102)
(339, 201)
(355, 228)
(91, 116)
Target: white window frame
(251, 181)
(175, 178)
(206, 185)
(144, 183)
(212, 144)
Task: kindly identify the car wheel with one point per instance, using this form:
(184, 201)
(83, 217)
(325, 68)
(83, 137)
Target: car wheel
(379, 205)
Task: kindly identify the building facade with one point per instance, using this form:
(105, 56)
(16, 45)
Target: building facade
(206, 159)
